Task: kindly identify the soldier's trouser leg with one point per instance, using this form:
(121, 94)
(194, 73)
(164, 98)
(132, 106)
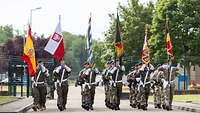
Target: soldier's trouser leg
(135, 96)
(131, 95)
(92, 93)
(106, 88)
(147, 91)
(82, 96)
(36, 97)
(60, 98)
(163, 98)
(119, 92)
(42, 93)
(113, 96)
(86, 97)
(171, 94)
(143, 98)
(64, 94)
(157, 96)
(168, 96)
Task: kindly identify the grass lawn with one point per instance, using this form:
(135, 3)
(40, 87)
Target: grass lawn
(184, 98)
(6, 99)
(187, 98)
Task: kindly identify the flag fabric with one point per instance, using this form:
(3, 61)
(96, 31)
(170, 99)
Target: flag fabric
(55, 45)
(145, 50)
(29, 54)
(119, 47)
(169, 47)
(89, 41)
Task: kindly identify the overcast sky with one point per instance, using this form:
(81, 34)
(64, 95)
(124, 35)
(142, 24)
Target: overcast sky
(74, 15)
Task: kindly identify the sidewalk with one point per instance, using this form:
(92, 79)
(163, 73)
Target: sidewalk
(19, 106)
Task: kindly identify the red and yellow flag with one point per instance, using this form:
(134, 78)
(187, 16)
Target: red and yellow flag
(168, 41)
(145, 51)
(29, 54)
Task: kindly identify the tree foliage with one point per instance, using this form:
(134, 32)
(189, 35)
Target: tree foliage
(184, 27)
(133, 18)
(6, 32)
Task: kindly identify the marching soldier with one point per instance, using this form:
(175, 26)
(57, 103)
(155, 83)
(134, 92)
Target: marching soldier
(89, 85)
(132, 79)
(116, 74)
(144, 85)
(105, 78)
(39, 85)
(168, 80)
(61, 74)
(157, 87)
(80, 81)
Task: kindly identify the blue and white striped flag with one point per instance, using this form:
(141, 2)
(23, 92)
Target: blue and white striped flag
(89, 41)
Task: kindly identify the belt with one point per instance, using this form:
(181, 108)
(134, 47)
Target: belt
(118, 81)
(64, 80)
(88, 84)
(165, 82)
(60, 82)
(114, 82)
(39, 82)
(93, 83)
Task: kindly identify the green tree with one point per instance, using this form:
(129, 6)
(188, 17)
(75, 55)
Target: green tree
(133, 18)
(184, 27)
(75, 53)
(6, 32)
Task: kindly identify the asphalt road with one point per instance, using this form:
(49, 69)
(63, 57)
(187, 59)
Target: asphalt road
(74, 104)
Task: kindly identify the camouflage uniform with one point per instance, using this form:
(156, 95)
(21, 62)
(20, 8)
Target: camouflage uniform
(144, 85)
(39, 85)
(157, 88)
(116, 74)
(168, 85)
(131, 78)
(105, 78)
(88, 88)
(61, 74)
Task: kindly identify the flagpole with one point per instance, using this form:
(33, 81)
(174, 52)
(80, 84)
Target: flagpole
(169, 57)
(59, 19)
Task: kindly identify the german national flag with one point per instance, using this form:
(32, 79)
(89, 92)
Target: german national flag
(119, 47)
(169, 47)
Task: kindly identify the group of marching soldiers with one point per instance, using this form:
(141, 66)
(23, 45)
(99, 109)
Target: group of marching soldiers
(142, 79)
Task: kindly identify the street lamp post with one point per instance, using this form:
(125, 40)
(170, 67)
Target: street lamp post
(31, 11)
(28, 79)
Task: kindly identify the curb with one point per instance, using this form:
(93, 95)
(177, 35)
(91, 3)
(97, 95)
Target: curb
(24, 109)
(183, 108)
(187, 109)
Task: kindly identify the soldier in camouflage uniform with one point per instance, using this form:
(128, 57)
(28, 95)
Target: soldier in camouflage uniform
(133, 85)
(116, 74)
(144, 85)
(39, 85)
(88, 87)
(168, 82)
(61, 74)
(157, 87)
(105, 79)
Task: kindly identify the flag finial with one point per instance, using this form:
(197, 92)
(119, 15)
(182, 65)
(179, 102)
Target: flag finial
(59, 17)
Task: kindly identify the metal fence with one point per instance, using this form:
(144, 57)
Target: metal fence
(14, 78)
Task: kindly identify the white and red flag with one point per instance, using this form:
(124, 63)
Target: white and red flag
(55, 45)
